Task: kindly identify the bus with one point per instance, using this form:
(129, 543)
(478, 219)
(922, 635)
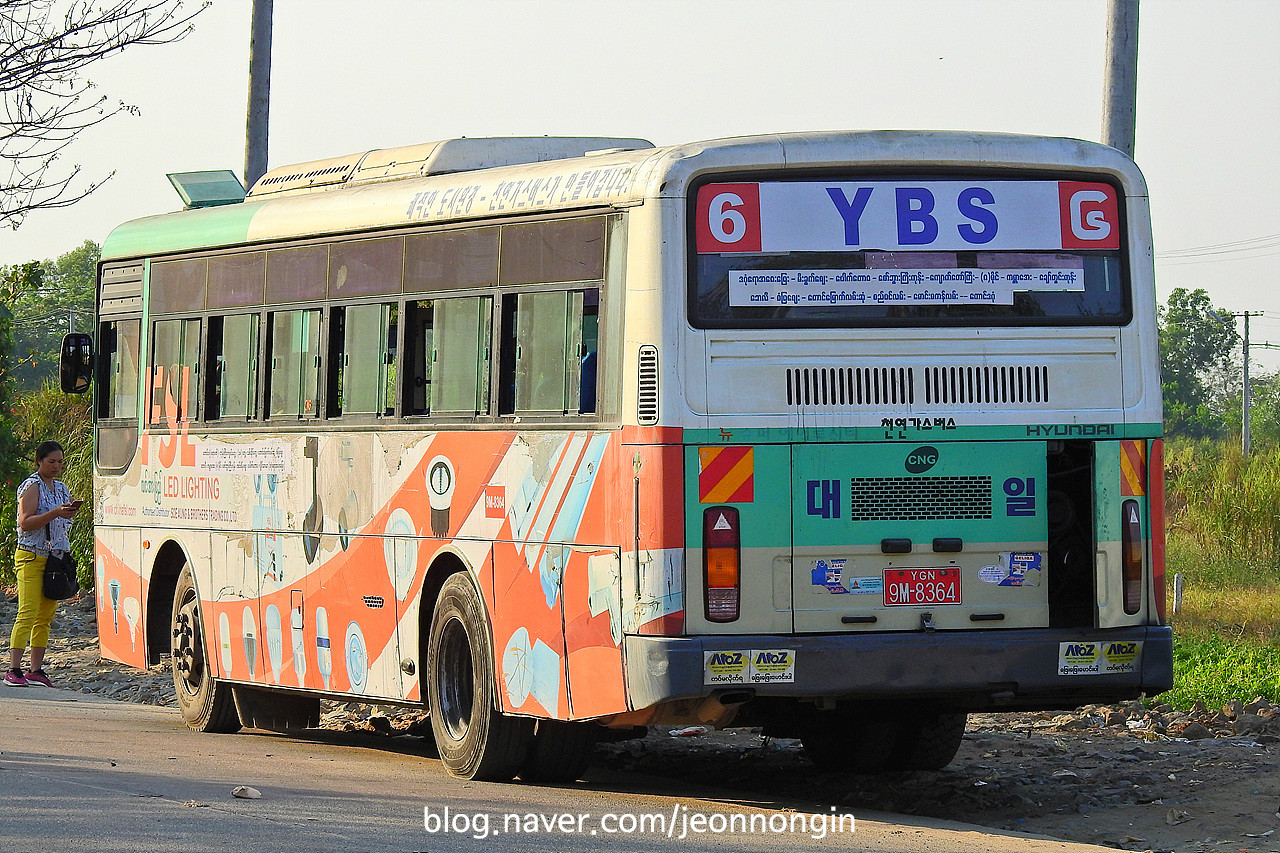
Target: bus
(840, 434)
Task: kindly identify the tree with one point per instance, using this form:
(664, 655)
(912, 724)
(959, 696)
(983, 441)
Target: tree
(1197, 357)
(44, 304)
(45, 48)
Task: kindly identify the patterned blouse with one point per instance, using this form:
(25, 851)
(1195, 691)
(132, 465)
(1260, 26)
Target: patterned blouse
(59, 528)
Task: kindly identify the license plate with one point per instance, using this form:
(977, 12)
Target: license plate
(911, 587)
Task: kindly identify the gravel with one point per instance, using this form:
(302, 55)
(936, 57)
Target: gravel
(1130, 776)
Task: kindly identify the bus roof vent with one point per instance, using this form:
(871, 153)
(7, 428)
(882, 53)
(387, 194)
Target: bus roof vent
(303, 178)
(647, 395)
(434, 158)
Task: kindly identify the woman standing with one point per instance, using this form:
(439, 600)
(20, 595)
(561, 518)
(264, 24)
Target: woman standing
(44, 524)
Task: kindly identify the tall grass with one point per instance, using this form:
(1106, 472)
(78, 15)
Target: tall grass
(1223, 526)
(1229, 505)
(65, 418)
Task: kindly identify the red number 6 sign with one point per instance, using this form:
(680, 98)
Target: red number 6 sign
(728, 218)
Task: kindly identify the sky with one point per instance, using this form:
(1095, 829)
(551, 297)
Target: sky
(351, 76)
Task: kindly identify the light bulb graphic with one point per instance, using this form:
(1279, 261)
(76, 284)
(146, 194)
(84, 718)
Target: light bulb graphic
(440, 484)
(299, 645)
(249, 633)
(224, 642)
(132, 613)
(324, 658)
(275, 646)
(99, 580)
(114, 588)
(400, 550)
(357, 658)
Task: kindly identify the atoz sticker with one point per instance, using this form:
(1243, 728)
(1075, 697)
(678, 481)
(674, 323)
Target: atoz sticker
(773, 666)
(725, 667)
(757, 666)
(1093, 658)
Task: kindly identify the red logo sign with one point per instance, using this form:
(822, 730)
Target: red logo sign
(1090, 215)
(728, 218)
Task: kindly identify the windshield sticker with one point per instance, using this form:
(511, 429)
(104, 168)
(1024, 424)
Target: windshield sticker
(826, 573)
(1014, 569)
(866, 586)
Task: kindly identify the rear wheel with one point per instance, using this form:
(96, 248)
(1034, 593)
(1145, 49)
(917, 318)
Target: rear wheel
(475, 740)
(206, 703)
(928, 740)
(850, 741)
(561, 751)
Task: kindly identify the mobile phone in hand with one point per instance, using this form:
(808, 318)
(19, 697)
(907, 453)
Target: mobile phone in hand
(75, 504)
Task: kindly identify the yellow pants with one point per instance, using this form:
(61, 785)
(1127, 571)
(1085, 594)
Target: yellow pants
(35, 612)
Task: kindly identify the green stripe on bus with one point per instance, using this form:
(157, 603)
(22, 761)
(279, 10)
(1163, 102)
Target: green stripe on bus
(195, 229)
(910, 433)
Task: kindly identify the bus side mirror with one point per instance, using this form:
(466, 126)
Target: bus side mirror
(75, 364)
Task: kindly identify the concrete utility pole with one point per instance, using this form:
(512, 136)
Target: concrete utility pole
(255, 149)
(1245, 396)
(1244, 424)
(1120, 80)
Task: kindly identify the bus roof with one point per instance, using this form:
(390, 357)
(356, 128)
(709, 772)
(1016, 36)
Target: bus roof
(451, 182)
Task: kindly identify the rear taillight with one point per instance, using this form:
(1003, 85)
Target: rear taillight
(1155, 505)
(721, 561)
(1132, 546)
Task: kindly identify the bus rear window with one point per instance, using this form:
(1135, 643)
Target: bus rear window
(907, 253)
(907, 289)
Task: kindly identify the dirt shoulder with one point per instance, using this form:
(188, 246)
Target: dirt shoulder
(1119, 775)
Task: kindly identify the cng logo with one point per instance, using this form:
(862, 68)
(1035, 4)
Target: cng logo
(922, 459)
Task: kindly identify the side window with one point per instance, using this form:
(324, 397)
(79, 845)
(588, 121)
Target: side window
(175, 369)
(118, 344)
(233, 377)
(418, 354)
(549, 352)
(362, 340)
(293, 353)
(461, 336)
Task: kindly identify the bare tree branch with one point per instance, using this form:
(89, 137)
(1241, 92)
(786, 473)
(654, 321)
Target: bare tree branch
(46, 101)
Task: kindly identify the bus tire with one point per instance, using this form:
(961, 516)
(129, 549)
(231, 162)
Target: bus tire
(928, 740)
(475, 739)
(850, 742)
(560, 752)
(205, 702)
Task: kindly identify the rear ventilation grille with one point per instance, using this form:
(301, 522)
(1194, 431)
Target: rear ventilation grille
(647, 396)
(919, 498)
(850, 386)
(889, 386)
(1017, 384)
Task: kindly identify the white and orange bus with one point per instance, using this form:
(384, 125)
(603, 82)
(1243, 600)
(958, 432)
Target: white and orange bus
(840, 434)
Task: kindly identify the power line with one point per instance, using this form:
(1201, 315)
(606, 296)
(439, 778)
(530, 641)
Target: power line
(1264, 242)
(1235, 250)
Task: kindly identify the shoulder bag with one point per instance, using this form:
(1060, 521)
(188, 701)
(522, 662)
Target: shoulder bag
(60, 581)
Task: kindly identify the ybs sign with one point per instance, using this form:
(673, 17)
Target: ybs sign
(922, 459)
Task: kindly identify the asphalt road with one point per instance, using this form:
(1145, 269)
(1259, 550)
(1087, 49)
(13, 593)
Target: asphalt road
(83, 774)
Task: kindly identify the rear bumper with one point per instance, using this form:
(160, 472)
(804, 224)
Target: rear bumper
(969, 670)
